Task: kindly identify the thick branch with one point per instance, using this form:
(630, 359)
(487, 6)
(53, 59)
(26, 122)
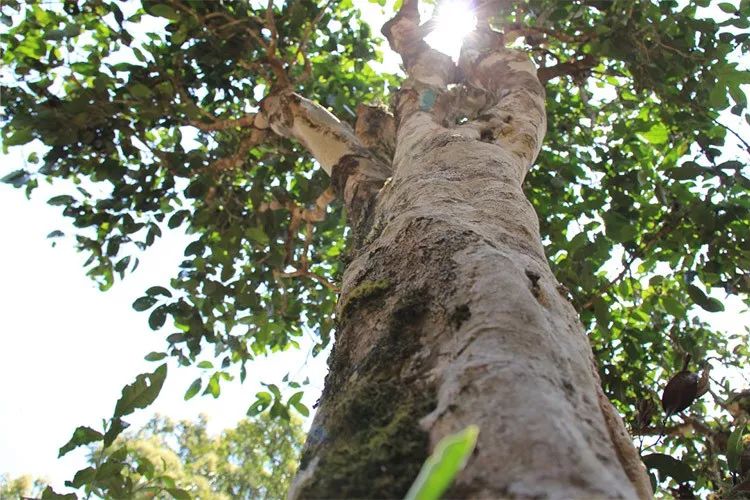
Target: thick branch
(357, 174)
(376, 129)
(290, 115)
(518, 120)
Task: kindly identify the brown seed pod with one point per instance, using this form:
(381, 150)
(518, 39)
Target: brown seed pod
(680, 391)
(704, 381)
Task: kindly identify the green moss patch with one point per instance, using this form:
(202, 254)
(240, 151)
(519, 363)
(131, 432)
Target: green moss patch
(373, 445)
(365, 291)
(377, 445)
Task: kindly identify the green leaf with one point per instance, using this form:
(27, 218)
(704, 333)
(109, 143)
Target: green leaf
(122, 264)
(717, 98)
(81, 436)
(696, 294)
(262, 401)
(669, 466)
(438, 472)
(257, 235)
(116, 427)
(657, 134)
(735, 448)
(728, 7)
(143, 303)
(56, 234)
(16, 178)
(140, 91)
(19, 137)
(161, 10)
(710, 304)
(213, 388)
(155, 356)
(619, 228)
(688, 170)
(50, 494)
(296, 402)
(301, 408)
(157, 317)
(82, 477)
(61, 200)
(713, 305)
(205, 364)
(158, 290)
(141, 393)
(72, 30)
(179, 494)
(177, 218)
(195, 248)
(672, 306)
(193, 389)
(602, 312)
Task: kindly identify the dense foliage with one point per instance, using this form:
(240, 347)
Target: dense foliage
(641, 190)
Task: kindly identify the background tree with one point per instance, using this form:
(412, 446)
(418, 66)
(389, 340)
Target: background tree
(255, 459)
(641, 197)
(20, 487)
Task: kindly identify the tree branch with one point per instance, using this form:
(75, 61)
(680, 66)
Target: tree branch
(315, 214)
(423, 63)
(249, 141)
(216, 125)
(356, 173)
(516, 119)
(572, 68)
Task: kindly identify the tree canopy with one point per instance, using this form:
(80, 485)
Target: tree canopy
(143, 114)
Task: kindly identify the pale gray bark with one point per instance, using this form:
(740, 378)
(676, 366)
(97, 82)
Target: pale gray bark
(449, 313)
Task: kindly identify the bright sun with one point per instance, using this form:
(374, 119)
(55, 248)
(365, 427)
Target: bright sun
(455, 20)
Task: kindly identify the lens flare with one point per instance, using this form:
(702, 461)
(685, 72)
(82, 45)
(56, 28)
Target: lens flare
(455, 20)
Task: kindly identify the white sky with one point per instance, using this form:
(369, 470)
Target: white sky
(67, 349)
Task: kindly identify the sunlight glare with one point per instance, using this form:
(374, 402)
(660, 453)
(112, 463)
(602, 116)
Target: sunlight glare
(455, 20)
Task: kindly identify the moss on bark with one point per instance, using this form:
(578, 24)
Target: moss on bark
(377, 446)
(373, 445)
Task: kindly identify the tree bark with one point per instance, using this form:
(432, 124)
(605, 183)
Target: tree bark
(449, 313)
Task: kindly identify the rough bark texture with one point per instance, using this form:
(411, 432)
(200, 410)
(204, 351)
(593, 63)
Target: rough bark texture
(449, 313)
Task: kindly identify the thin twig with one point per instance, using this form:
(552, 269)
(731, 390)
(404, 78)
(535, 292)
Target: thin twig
(302, 48)
(739, 138)
(663, 231)
(245, 121)
(309, 274)
(248, 142)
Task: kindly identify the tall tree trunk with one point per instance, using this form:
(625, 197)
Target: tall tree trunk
(449, 313)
